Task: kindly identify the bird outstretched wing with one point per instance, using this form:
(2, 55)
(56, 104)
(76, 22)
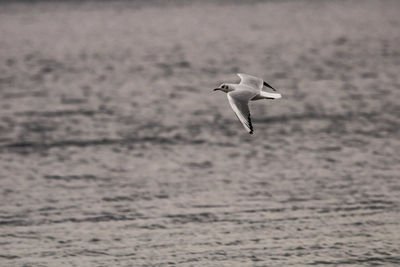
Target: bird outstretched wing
(269, 86)
(251, 81)
(239, 101)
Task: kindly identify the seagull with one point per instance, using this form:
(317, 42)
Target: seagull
(239, 95)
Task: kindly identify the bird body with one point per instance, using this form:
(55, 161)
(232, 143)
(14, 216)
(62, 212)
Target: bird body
(239, 95)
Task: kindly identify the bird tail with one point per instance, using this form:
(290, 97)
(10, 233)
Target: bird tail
(270, 95)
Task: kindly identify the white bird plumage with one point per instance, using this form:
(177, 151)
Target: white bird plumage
(239, 95)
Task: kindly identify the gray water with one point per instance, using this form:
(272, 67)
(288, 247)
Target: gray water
(115, 152)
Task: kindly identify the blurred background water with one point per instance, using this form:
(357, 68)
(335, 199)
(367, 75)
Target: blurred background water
(115, 152)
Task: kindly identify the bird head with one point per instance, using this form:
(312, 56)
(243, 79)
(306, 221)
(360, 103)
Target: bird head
(224, 88)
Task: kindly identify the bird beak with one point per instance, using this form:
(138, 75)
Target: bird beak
(216, 89)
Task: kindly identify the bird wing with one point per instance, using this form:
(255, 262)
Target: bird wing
(251, 81)
(239, 101)
(267, 85)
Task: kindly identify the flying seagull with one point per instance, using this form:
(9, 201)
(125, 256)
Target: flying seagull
(239, 95)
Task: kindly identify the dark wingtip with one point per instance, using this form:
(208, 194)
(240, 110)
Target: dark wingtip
(269, 86)
(251, 125)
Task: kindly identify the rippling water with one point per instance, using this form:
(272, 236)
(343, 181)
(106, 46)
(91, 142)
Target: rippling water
(115, 152)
